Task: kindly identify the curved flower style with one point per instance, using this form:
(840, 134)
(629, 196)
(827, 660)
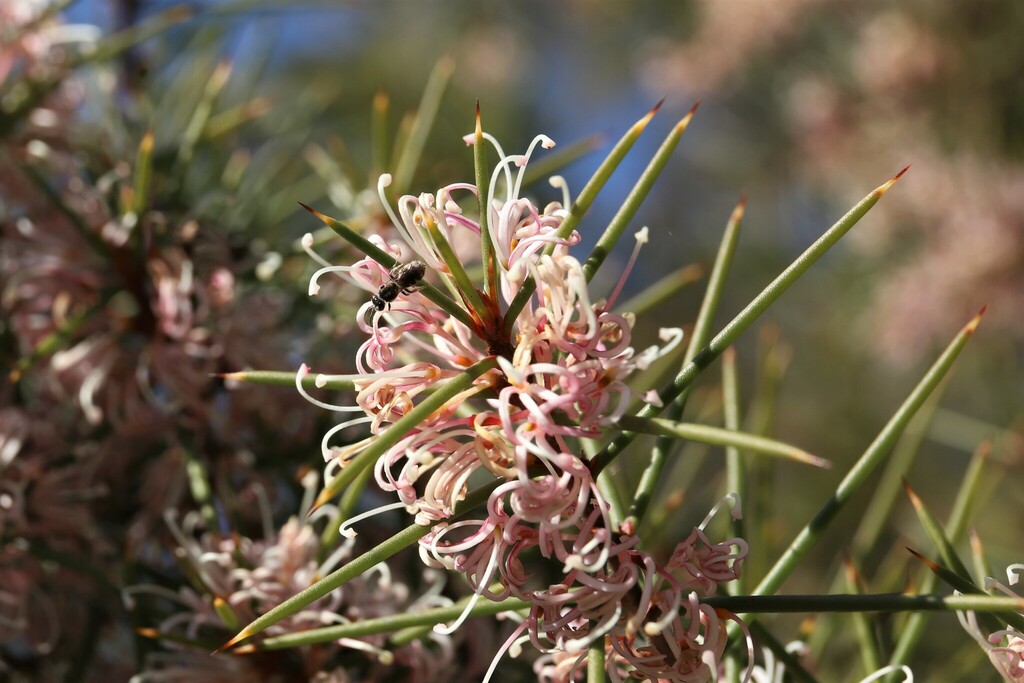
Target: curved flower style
(45, 490)
(774, 670)
(45, 496)
(562, 362)
(1005, 648)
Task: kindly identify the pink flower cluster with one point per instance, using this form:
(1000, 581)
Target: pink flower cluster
(46, 491)
(548, 536)
(649, 616)
(1005, 648)
(31, 42)
(249, 576)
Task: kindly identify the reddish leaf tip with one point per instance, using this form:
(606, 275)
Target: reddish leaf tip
(928, 563)
(739, 210)
(692, 272)
(975, 541)
(915, 500)
(882, 189)
(852, 573)
(642, 123)
(976, 320)
(323, 218)
(984, 449)
(223, 69)
(179, 13)
(234, 641)
(446, 65)
(320, 501)
(685, 121)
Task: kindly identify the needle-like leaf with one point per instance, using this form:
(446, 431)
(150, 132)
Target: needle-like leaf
(746, 317)
(636, 197)
(286, 378)
(394, 433)
(968, 588)
(934, 530)
(354, 568)
(883, 602)
(595, 662)
(380, 553)
(201, 115)
(717, 436)
(865, 636)
(581, 205)
(385, 259)
(391, 623)
(379, 133)
(735, 470)
(913, 630)
(143, 173)
(698, 338)
(409, 157)
(865, 465)
(482, 174)
(661, 291)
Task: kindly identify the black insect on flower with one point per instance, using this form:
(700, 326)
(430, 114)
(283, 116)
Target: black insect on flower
(404, 278)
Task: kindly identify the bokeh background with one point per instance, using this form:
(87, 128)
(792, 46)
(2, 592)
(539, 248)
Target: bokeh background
(806, 105)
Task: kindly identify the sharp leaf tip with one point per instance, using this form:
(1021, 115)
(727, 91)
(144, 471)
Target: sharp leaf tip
(642, 123)
(915, 499)
(976, 320)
